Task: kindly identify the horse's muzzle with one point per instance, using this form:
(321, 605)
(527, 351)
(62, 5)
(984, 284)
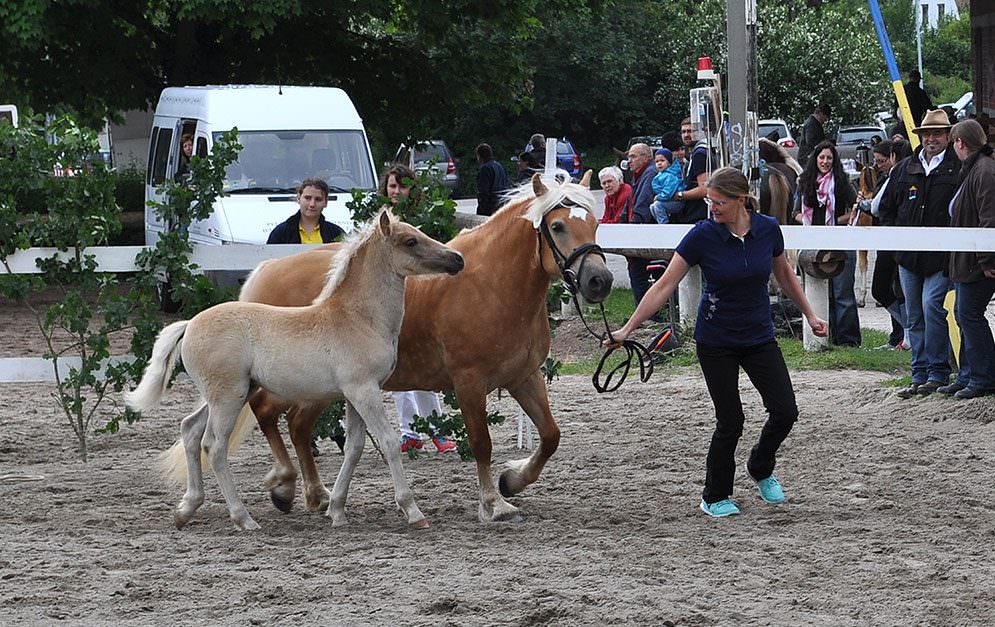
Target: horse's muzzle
(453, 263)
(595, 283)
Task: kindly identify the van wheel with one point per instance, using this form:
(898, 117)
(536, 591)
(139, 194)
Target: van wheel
(164, 294)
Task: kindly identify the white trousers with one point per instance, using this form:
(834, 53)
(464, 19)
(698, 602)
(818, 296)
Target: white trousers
(415, 403)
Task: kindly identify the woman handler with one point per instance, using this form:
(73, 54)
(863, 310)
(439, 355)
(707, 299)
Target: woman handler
(737, 248)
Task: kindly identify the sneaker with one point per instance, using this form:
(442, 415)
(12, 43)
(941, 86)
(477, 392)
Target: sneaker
(443, 445)
(720, 509)
(409, 443)
(910, 391)
(929, 387)
(951, 389)
(770, 490)
(903, 346)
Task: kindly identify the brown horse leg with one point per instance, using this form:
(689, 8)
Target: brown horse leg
(281, 480)
(300, 422)
(473, 404)
(531, 395)
(861, 287)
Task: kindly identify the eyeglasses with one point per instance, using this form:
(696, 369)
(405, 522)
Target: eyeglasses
(716, 203)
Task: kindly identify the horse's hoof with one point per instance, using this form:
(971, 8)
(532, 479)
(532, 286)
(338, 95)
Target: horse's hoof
(282, 504)
(420, 524)
(247, 524)
(506, 487)
(180, 519)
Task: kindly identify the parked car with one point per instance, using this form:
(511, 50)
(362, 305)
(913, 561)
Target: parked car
(432, 153)
(567, 158)
(854, 142)
(963, 108)
(765, 128)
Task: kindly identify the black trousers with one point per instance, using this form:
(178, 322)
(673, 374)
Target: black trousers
(764, 365)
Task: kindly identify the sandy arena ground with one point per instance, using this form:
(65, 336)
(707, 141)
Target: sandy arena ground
(890, 519)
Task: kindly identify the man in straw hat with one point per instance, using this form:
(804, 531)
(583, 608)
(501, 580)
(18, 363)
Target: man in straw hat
(919, 193)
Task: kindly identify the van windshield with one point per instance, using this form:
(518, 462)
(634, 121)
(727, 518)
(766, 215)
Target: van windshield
(277, 161)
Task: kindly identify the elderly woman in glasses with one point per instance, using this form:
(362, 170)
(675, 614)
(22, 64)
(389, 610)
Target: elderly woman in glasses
(618, 194)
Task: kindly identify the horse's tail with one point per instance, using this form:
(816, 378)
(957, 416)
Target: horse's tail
(164, 353)
(173, 461)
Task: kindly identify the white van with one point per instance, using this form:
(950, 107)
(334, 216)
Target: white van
(288, 134)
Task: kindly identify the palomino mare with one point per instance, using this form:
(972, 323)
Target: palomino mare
(347, 339)
(483, 329)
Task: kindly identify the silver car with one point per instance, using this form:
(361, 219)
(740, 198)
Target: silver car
(431, 153)
(784, 138)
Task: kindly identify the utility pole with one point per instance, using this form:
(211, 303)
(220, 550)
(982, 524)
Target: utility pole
(741, 33)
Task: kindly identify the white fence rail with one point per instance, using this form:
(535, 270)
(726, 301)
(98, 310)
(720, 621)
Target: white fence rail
(643, 240)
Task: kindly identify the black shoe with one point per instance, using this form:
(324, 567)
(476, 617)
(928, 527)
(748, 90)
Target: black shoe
(951, 389)
(314, 450)
(339, 440)
(909, 392)
(970, 392)
(929, 387)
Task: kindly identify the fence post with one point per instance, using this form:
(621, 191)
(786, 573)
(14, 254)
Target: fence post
(817, 293)
(689, 295)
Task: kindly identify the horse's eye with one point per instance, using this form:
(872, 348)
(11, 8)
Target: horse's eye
(557, 227)
(411, 243)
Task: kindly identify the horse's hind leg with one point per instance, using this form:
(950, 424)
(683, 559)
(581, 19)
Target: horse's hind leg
(355, 439)
(300, 423)
(281, 480)
(368, 401)
(473, 405)
(861, 289)
(192, 432)
(531, 395)
(220, 424)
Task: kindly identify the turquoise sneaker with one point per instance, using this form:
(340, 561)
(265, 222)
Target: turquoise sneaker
(770, 488)
(719, 509)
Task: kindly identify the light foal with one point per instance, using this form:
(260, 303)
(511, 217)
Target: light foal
(343, 345)
(473, 333)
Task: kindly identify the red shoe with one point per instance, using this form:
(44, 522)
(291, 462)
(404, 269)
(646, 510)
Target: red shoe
(444, 445)
(408, 443)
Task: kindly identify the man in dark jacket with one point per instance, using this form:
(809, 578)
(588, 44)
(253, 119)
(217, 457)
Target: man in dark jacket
(919, 192)
(813, 132)
(638, 212)
(491, 181)
(919, 101)
(308, 225)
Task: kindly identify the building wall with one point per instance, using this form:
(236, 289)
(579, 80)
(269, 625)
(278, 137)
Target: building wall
(931, 10)
(983, 51)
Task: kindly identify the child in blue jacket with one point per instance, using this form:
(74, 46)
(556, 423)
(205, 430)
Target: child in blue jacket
(666, 184)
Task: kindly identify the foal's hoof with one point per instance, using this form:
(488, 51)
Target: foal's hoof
(180, 519)
(420, 524)
(281, 503)
(247, 524)
(509, 483)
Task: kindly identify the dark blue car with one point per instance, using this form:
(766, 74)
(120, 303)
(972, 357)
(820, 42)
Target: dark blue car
(566, 157)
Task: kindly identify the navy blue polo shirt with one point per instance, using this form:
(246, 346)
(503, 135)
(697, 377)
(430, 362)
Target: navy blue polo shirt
(735, 305)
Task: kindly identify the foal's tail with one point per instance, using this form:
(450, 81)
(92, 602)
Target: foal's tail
(173, 461)
(164, 353)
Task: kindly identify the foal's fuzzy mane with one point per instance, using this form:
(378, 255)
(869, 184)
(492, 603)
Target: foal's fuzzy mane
(559, 191)
(340, 261)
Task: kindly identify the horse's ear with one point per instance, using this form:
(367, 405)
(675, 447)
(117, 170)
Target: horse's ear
(537, 185)
(585, 180)
(385, 222)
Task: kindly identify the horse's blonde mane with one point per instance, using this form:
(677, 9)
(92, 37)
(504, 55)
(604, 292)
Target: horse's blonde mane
(559, 191)
(340, 261)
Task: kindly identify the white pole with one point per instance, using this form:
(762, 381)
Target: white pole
(918, 13)
(817, 293)
(689, 295)
(550, 169)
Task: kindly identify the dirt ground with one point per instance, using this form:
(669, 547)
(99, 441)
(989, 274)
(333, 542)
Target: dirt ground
(890, 519)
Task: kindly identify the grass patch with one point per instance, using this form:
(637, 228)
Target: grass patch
(619, 306)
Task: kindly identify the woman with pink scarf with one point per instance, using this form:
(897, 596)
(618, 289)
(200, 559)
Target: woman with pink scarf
(824, 198)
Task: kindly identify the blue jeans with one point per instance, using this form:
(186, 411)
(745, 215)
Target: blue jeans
(977, 347)
(844, 325)
(662, 209)
(927, 319)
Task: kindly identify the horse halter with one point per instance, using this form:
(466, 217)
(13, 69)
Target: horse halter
(633, 348)
(564, 262)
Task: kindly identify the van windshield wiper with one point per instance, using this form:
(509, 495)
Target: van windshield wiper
(262, 190)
